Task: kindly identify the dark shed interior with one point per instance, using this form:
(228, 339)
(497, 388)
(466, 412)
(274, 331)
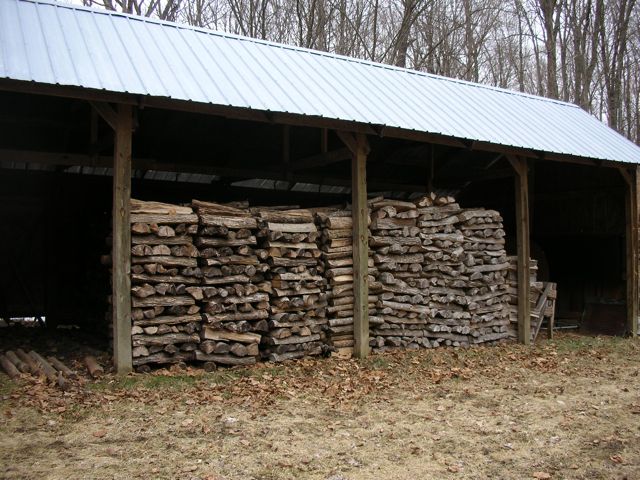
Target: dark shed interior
(56, 197)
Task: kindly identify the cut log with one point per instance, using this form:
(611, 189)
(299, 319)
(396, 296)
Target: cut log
(93, 367)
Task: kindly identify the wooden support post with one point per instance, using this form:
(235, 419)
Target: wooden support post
(632, 180)
(121, 280)
(359, 147)
(522, 239)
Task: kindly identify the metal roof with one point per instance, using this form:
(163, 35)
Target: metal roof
(61, 44)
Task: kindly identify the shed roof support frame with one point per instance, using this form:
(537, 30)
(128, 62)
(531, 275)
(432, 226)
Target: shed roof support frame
(121, 279)
(359, 147)
(520, 165)
(632, 236)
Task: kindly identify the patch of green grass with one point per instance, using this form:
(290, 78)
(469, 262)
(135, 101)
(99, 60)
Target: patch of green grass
(144, 381)
(376, 362)
(166, 381)
(578, 343)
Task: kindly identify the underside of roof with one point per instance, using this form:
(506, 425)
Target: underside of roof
(59, 44)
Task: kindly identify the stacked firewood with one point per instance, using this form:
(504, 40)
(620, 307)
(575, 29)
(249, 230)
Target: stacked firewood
(443, 272)
(297, 317)
(165, 280)
(235, 297)
(336, 240)
(398, 254)
(486, 267)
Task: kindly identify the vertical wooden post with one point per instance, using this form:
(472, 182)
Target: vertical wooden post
(522, 239)
(360, 248)
(121, 280)
(632, 181)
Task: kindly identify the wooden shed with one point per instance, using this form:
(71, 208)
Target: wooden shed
(97, 105)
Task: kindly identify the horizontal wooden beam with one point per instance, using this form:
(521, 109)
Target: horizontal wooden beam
(322, 159)
(74, 159)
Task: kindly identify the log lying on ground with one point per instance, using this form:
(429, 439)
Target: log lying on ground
(93, 367)
(45, 366)
(9, 368)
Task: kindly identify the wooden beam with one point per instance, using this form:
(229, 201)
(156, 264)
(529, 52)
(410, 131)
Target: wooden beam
(632, 191)
(360, 212)
(73, 159)
(121, 254)
(322, 159)
(522, 239)
(107, 113)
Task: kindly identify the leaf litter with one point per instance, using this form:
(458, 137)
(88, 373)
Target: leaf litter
(501, 412)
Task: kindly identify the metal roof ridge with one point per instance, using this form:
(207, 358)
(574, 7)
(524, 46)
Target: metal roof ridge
(207, 31)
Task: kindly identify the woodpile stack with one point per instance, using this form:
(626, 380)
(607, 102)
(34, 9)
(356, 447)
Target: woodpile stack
(336, 241)
(165, 283)
(486, 265)
(398, 254)
(443, 274)
(297, 311)
(235, 296)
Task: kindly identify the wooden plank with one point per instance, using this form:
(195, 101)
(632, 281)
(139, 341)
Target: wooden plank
(522, 238)
(360, 217)
(121, 255)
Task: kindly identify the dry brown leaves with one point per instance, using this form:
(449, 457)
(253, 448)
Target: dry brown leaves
(342, 382)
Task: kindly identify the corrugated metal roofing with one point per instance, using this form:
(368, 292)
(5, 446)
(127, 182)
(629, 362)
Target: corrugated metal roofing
(68, 45)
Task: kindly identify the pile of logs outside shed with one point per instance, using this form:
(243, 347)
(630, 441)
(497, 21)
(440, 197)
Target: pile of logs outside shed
(231, 285)
(17, 363)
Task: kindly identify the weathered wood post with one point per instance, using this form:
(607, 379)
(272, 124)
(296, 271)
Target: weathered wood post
(522, 239)
(360, 215)
(121, 280)
(632, 191)
(359, 148)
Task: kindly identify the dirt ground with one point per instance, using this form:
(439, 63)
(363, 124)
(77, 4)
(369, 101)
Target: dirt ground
(563, 409)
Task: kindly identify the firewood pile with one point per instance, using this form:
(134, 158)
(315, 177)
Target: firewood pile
(297, 310)
(234, 295)
(231, 285)
(443, 272)
(336, 242)
(165, 283)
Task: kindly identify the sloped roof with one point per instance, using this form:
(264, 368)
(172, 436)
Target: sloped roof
(61, 44)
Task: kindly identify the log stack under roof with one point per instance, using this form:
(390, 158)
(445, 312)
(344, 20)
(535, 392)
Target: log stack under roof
(165, 283)
(443, 272)
(298, 302)
(235, 296)
(336, 241)
(230, 285)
